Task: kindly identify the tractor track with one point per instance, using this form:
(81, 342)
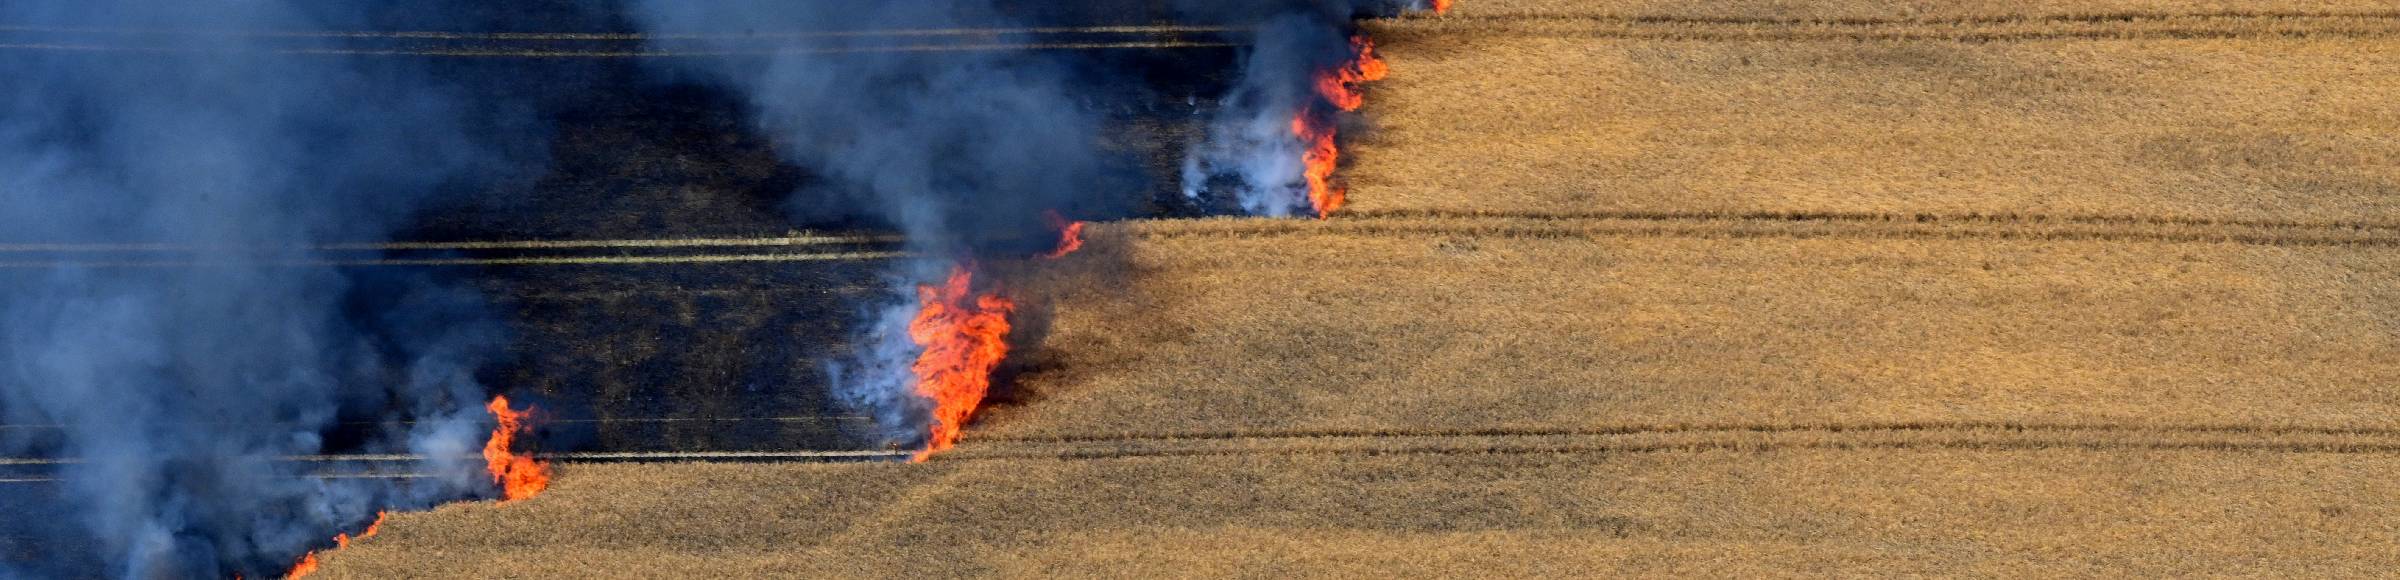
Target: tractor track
(1691, 438)
(1588, 440)
(1802, 225)
(2123, 26)
(2062, 18)
(1385, 223)
(624, 45)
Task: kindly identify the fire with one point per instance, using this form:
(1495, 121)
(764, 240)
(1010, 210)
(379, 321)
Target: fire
(1320, 155)
(343, 540)
(963, 334)
(1070, 234)
(1441, 6)
(1321, 158)
(308, 563)
(1340, 85)
(519, 476)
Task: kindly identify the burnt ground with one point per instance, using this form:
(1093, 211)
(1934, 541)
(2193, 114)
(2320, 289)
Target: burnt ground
(687, 353)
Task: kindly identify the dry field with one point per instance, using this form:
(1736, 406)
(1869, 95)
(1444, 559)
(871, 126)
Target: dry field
(2042, 512)
(1749, 289)
(2140, 118)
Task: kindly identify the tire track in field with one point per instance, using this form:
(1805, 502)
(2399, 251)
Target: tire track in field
(2059, 18)
(612, 252)
(2127, 26)
(1800, 225)
(1968, 436)
(1662, 428)
(630, 53)
(2377, 25)
(615, 45)
(1884, 217)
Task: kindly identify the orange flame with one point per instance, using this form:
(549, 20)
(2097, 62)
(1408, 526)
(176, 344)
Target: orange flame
(963, 335)
(343, 540)
(1441, 6)
(1070, 234)
(1321, 158)
(1340, 85)
(308, 563)
(519, 476)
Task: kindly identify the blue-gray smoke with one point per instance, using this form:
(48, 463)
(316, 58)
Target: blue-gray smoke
(959, 147)
(955, 148)
(1251, 162)
(179, 388)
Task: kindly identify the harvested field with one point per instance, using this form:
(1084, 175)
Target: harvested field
(1979, 288)
(1771, 11)
(1472, 329)
(1719, 513)
(2266, 128)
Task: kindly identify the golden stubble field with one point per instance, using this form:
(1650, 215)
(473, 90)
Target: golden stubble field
(1712, 512)
(2136, 118)
(1732, 289)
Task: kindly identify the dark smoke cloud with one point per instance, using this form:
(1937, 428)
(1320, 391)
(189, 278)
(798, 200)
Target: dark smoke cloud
(178, 388)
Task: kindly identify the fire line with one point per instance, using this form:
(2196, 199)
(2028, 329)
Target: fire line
(964, 335)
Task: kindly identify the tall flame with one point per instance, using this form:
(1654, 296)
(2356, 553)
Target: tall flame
(1070, 234)
(519, 476)
(1320, 155)
(1321, 158)
(964, 336)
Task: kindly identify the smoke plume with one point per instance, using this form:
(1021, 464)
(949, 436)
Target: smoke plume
(1271, 149)
(962, 150)
(179, 380)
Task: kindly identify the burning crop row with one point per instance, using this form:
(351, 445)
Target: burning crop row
(963, 334)
(515, 476)
(1274, 146)
(955, 149)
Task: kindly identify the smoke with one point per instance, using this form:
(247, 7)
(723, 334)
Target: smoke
(1252, 157)
(180, 389)
(1255, 160)
(961, 150)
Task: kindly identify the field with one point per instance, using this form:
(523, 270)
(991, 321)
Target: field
(1754, 288)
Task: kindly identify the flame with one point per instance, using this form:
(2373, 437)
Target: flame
(1441, 6)
(1321, 158)
(1340, 85)
(1070, 234)
(1320, 155)
(963, 334)
(519, 476)
(308, 563)
(343, 540)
